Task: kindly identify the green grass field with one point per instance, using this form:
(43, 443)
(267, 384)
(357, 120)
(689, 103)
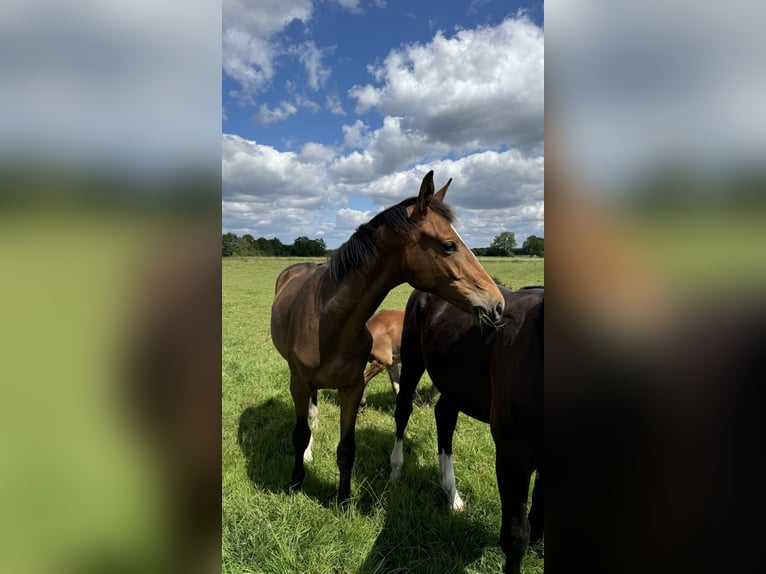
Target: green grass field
(403, 527)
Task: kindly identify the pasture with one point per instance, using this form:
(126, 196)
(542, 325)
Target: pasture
(403, 527)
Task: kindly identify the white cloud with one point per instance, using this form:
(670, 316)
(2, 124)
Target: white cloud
(316, 153)
(491, 191)
(386, 150)
(267, 115)
(248, 51)
(332, 103)
(311, 58)
(481, 87)
(352, 5)
(350, 219)
(259, 173)
(356, 135)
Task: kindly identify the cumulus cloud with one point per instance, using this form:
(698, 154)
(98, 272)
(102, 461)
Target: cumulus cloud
(267, 115)
(259, 173)
(481, 87)
(248, 51)
(332, 103)
(351, 218)
(311, 58)
(386, 150)
(482, 180)
(491, 192)
(316, 153)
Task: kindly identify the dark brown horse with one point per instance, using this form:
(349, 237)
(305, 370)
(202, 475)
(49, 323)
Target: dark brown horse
(319, 312)
(496, 378)
(385, 327)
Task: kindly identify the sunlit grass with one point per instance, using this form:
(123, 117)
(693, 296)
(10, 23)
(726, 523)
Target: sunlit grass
(403, 527)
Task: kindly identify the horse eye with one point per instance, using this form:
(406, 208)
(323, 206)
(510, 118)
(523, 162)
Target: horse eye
(449, 246)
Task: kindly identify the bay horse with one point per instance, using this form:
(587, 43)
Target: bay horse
(319, 311)
(385, 327)
(496, 378)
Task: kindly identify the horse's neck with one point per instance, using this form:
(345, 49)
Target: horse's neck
(360, 293)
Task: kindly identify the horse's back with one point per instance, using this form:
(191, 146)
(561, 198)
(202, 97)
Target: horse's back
(289, 285)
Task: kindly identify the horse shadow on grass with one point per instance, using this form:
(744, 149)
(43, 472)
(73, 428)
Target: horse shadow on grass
(419, 534)
(265, 439)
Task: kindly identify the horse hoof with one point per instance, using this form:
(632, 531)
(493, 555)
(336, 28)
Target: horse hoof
(458, 505)
(396, 472)
(295, 487)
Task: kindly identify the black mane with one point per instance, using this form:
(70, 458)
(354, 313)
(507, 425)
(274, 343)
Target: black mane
(362, 245)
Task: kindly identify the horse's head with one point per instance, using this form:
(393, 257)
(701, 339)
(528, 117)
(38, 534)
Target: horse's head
(436, 259)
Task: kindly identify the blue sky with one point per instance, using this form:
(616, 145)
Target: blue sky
(335, 109)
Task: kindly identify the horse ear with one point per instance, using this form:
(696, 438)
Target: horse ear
(443, 191)
(426, 194)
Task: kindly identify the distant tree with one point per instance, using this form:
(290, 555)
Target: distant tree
(278, 248)
(246, 246)
(503, 244)
(534, 245)
(305, 247)
(264, 246)
(229, 244)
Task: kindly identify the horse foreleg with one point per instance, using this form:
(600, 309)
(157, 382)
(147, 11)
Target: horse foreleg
(513, 476)
(301, 433)
(393, 374)
(402, 417)
(446, 420)
(537, 510)
(349, 405)
(412, 369)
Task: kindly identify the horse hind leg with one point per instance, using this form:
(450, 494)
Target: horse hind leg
(301, 433)
(446, 420)
(513, 482)
(313, 419)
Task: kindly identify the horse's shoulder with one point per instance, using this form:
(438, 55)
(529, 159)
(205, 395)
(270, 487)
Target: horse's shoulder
(296, 272)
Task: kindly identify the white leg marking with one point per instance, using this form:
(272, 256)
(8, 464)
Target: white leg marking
(313, 415)
(307, 455)
(448, 482)
(397, 459)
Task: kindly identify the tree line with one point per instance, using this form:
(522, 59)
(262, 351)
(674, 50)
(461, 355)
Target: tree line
(262, 247)
(504, 245)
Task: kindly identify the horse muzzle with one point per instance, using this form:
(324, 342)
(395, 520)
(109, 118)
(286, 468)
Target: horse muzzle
(490, 316)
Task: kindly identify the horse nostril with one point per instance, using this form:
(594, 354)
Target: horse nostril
(498, 311)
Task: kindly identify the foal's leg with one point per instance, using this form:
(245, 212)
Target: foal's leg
(537, 510)
(513, 476)
(446, 419)
(393, 374)
(412, 369)
(349, 405)
(301, 433)
(375, 368)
